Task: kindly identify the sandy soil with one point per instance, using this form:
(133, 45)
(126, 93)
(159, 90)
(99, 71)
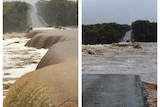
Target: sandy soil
(152, 94)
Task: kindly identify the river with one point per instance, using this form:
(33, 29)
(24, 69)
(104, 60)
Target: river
(141, 62)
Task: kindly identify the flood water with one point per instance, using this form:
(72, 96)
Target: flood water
(141, 62)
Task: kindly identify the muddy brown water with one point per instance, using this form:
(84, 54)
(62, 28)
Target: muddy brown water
(141, 62)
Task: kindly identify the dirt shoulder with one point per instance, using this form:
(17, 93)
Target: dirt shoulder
(152, 94)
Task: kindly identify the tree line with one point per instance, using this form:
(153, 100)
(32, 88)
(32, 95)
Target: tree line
(106, 33)
(58, 12)
(144, 31)
(14, 16)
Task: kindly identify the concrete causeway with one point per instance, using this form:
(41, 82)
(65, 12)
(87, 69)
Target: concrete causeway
(113, 90)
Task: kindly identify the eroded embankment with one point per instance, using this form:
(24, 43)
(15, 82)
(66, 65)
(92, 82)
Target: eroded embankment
(55, 81)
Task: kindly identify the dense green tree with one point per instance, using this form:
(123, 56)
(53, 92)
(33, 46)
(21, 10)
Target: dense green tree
(144, 31)
(107, 34)
(58, 12)
(14, 16)
(104, 33)
(91, 36)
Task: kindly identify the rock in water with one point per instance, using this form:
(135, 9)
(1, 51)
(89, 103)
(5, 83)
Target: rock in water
(137, 46)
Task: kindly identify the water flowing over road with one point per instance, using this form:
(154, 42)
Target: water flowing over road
(106, 75)
(125, 60)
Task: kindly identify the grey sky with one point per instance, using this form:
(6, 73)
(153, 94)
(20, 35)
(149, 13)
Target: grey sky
(119, 11)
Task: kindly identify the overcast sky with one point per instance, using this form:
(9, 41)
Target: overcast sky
(119, 11)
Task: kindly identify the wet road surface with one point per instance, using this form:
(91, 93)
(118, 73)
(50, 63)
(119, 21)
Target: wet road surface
(36, 22)
(108, 90)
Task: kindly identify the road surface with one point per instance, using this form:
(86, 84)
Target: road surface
(36, 22)
(127, 37)
(104, 90)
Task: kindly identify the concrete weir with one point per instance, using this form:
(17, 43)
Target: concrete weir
(113, 90)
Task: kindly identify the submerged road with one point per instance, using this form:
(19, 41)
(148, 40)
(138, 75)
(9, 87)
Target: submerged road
(104, 90)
